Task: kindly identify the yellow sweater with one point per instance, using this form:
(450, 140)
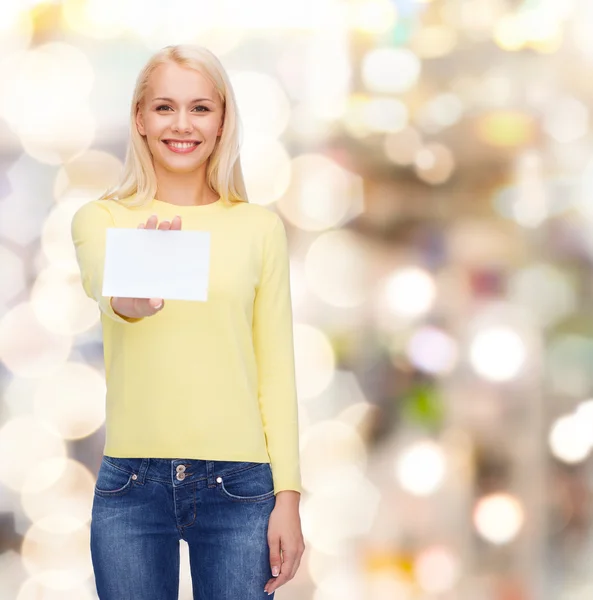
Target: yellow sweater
(210, 380)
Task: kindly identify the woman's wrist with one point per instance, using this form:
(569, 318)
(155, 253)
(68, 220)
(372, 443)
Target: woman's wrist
(288, 496)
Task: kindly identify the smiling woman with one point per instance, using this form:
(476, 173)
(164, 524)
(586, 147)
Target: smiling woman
(190, 116)
(184, 142)
(201, 396)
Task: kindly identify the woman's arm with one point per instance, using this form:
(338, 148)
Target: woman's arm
(274, 351)
(88, 229)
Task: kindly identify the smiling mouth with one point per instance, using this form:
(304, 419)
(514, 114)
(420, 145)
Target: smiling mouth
(181, 147)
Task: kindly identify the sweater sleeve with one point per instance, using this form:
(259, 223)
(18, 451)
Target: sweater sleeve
(274, 352)
(89, 229)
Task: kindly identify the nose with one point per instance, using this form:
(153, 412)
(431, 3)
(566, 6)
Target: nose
(182, 122)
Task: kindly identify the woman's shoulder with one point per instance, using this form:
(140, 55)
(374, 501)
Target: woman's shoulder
(262, 214)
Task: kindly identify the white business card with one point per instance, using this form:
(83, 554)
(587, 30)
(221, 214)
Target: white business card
(154, 263)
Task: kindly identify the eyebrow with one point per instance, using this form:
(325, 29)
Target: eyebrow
(191, 101)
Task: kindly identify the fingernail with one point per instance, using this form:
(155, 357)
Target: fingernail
(159, 306)
(275, 571)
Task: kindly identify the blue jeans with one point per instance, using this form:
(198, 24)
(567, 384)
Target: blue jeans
(143, 507)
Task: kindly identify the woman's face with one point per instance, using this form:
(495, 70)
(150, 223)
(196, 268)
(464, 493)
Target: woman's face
(181, 117)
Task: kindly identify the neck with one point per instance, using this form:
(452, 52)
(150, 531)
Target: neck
(183, 189)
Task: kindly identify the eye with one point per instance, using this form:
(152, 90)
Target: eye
(158, 108)
(206, 109)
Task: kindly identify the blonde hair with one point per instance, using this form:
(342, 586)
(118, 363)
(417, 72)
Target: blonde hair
(138, 185)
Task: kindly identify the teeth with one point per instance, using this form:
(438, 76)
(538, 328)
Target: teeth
(181, 144)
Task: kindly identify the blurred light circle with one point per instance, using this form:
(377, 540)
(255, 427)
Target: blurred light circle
(16, 32)
(354, 119)
(18, 397)
(570, 439)
(385, 114)
(569, 357)
(24, 440)
(266, 168)
(337, 270)
(390, 70)
(330, 450)
(440, 112)
(298, 284)
(331, 518)
(262, 103)
(71, 401)
(420, 469)
(63, 76)
(12, 275)
(497, 353)
(26, 347)
(498, 518)
(58, 486)
(479, 243)
(99, 19)
(204, 24)
(567, 120)
(432, 41)
(437, 569)
(432, 350)
(60, 302)
(62, 139)
(434, 163)
(87, 176)
(33, 588)
(403, 146)
(509, 33)
(372, 16)
(544, 290)
(337, 580)
(409, 292)
(56, 239)
(584, 413)
(314, 361)
(390, 583)
(55, 549)
(321, 194)
(506, 128)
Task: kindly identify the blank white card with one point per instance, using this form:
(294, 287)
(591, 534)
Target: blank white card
(152, 263)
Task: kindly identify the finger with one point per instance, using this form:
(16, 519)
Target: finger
(152, 221)
(176, 222)
(165, 225)
(285, 575)
(141, 226)
(156, 303)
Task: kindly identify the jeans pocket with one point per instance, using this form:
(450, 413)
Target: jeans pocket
(113, 479)
(251, 484)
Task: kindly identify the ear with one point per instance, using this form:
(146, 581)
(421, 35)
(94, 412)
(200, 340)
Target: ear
(140, 121)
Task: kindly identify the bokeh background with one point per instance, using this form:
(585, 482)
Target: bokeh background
(432, 164)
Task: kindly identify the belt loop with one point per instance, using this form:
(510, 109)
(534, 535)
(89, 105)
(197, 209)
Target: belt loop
(210, 473)
(142, 470)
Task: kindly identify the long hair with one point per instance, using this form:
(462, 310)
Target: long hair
(138, 185)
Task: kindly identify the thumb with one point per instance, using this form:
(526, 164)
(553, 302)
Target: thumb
(275, 560)
(156, 303)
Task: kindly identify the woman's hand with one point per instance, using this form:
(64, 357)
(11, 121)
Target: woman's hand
(284, 532)
(136, 308)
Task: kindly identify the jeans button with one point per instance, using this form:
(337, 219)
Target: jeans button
(180, 476)
(180, 468)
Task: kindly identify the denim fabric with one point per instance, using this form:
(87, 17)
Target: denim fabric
(142, 507)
